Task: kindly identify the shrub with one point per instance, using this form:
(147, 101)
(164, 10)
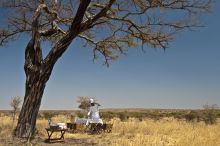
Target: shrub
(107, 115)
(123, 116)
(15, 104)
(209, 115)
(72, 117)
(191, 116)
(48, 115)
(40, 115)
(218, 114)
(178, 114)
(209, 118)
(84, 102)
(154, 115)
(139, 116)
(80, 114)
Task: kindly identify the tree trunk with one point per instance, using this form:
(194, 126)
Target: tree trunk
(32, 101)
(38, 70)
(37, 74)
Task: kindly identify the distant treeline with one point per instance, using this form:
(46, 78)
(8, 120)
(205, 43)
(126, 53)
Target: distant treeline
(209, 116)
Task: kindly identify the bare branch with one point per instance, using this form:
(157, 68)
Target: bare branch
(90, 23)
(65, 41)
(120, 23)
(80, 14)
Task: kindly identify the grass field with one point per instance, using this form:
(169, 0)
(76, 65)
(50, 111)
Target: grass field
(132, 132)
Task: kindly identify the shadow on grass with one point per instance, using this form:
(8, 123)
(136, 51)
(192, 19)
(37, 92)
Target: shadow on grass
(41, 142)
(69, 142)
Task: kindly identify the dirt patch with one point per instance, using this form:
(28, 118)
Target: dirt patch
(41, 142)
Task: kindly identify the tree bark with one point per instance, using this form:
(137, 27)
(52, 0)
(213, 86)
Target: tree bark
(28, 115)
(37, 74)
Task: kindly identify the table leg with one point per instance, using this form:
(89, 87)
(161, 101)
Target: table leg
(62, 134)
(49, 133)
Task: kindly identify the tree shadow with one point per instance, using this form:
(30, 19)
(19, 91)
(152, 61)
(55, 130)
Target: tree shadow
(67, 142)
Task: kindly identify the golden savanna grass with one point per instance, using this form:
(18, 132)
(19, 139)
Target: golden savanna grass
(164, 132)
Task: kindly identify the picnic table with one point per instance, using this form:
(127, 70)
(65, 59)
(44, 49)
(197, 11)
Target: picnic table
(50, 132)
(92, 128)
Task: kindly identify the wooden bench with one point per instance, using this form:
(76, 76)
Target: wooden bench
(50, 133)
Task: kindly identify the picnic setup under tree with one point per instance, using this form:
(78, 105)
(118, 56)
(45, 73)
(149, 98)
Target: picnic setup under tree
(92, 124)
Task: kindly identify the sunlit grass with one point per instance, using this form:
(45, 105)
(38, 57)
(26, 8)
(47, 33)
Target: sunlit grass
(6, 129)
(164, 132)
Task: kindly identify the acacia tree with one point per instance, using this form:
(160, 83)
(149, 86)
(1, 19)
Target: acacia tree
(108, 27)
(15, 104)
(84, 102)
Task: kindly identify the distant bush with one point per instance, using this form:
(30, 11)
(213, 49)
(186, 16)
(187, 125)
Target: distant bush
(139, 116)
(218, 114)
(40, 115)
(209, 114)
(84, 102)
(108, 115)
(15, 104)
(80, 114)
(123, 116)
(72, 117)
(48, 115)
(191, 116)
(177, 114)
(154, 115)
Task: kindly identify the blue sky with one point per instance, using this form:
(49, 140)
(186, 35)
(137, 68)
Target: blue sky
(186, 75)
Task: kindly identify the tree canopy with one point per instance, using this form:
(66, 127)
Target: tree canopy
(108, 27)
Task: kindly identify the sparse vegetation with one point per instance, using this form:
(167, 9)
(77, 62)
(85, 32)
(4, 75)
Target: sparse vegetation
(166, 131)
(80, 114)
(107, 115)
(210, 116)
(48, 115)
(84, 103)
(191, 116)
(123, 116)
(15, 104)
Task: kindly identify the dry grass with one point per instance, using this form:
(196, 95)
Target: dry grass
(164, 132)
(5, 128)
